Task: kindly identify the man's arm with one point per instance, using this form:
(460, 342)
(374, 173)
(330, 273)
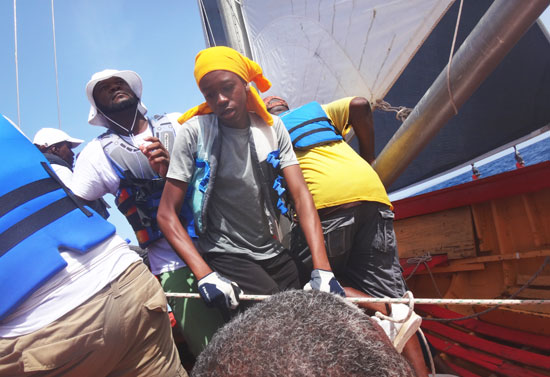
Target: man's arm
(360, 118)
(309, 218)
(213, 288)
(93, 174)
(170, 225)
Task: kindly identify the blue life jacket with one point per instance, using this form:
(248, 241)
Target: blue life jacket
(309, 126)
(98, 205)
(38, 217)
(140, 189)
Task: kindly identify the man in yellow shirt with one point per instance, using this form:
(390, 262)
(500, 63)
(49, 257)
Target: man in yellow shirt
(354, 208)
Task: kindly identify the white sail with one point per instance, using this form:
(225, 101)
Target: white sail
(325, 49)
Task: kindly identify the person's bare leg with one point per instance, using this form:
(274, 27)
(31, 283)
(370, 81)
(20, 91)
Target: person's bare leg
(413, 353)
(412, 350)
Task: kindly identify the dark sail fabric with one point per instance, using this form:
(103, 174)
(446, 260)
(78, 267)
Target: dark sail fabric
(511, 103)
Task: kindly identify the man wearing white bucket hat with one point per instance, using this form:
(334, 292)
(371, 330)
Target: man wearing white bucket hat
(130, 161)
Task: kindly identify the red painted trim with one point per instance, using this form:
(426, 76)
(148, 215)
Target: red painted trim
(491, 363)
(506, 352)
(515, 336)
(520, 181)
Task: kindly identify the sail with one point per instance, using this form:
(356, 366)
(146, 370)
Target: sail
(392, 50)
(326, 49)
(510, 104)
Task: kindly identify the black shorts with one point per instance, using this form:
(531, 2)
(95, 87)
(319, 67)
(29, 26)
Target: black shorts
(361, 247)
(258, 277)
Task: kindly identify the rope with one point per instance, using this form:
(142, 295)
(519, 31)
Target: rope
(423, 259)
(55, 65)
(512, 297)
(390, 318)
(16, 61)
(433, 281)
(437, 301)
(410, 298)
(402, 112)
(428, 351)
(417, 260)
(451, 97)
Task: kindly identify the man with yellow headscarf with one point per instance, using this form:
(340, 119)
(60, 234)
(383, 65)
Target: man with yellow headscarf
(231, 162)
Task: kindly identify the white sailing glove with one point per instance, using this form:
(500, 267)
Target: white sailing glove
(324, 281)
(218, 291)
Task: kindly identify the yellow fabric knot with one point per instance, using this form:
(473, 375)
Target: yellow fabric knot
(223, 58)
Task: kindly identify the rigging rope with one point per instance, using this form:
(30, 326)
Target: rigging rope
(451, 97)
(16, 61)
(423, 259)
(428, 351)
(440, 301)
(528, 283)
(55, 65)
(402, 112)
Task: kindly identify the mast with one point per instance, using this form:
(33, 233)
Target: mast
(224, 25)
(493, 37)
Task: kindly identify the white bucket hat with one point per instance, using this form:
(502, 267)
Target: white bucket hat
(133, 80)
(49, 136)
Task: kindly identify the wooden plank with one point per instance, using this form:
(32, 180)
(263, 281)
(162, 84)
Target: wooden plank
(455, 268)
(461, 371)
(540, 281)
(491, 363)
(484, 226)
(525, 318)
(505, 257)
(510, 335)
(500, 350)
(505, 240)
(531, 293)
(529, 205)
(449, 232)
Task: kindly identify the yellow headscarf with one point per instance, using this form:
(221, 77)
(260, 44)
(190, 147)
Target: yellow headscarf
(223, 58)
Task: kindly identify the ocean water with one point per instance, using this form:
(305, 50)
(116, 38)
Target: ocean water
(532, 154)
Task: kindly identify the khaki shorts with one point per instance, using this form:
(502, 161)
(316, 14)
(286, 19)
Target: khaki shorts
(123, 330)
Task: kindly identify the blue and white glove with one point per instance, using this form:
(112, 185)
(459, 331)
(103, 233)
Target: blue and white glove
(218, 291)
(324, 281)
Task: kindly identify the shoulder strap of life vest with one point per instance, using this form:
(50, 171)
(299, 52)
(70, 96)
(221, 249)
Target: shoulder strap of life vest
(127, 160)
(309, 126)
(39, 217)
(140, 188)
(56, 160)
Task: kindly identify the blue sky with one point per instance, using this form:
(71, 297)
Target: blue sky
(157, 39)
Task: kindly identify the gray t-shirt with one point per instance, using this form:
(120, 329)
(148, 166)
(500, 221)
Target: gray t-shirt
(236, 221)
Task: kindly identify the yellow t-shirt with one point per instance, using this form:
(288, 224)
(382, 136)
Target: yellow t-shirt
(335, 173)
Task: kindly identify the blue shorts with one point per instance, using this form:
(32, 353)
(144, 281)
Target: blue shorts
(361, 247)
